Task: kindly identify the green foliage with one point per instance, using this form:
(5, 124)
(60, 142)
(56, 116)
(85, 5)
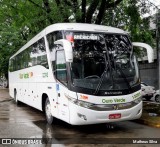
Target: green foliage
(23, 19)
(127, 15)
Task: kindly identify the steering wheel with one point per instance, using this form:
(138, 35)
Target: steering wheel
(93, 76)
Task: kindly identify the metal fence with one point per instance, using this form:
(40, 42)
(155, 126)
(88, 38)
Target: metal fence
(149, 73)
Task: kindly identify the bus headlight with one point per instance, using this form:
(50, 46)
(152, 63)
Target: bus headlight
(81, 103)
(138, 100)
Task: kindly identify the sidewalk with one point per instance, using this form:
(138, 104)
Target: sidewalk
(4, 95)
(150, 115)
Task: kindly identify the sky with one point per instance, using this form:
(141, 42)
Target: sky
(157, 3)
(153, 11)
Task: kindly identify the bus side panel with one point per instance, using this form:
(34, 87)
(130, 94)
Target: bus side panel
(18, 83)
(41, 82)
(33, 95)
(11, 87)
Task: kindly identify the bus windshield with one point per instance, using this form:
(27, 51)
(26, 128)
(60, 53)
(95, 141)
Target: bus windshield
(102, 61)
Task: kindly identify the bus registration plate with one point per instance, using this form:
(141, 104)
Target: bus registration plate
(115, 116)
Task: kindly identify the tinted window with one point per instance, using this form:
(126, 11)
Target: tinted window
(61, 72)
(42, 55)
(37, 54)
(25, 58)
(52, 37)
(18, 61)
(33, 55)
(11, 65)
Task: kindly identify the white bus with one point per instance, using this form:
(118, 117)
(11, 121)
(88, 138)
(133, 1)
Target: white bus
(79, 73)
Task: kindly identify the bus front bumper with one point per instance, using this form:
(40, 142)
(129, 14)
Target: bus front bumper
(83, 116)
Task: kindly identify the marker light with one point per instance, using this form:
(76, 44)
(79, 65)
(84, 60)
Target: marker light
(70, 38)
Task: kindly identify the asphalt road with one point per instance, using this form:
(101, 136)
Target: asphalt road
(26, 122)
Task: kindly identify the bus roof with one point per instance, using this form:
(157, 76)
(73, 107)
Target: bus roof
(71, 27)
(83, 27)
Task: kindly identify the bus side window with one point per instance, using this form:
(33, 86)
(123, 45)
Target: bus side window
(22, 60)
(52, 37)
(25, 58)
(42, 55)
(11, 65)
(29, 57)
(61, 72)
(18, 61)
(34, 53)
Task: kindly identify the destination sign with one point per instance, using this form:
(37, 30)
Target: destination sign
(86, 37)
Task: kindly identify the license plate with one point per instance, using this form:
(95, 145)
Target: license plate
(115, 116)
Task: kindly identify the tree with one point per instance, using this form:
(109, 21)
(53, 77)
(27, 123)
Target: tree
(128, 16)
(23, 19)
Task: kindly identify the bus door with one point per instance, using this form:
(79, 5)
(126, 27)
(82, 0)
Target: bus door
(61, 85)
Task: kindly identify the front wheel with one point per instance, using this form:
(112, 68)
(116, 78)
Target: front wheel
(157, 98)
(48, 114)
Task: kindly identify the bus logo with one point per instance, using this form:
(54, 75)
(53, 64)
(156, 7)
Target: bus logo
(84, 97)
(26, 75)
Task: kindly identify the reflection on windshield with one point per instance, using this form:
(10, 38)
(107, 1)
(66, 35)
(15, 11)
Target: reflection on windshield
(103, 60)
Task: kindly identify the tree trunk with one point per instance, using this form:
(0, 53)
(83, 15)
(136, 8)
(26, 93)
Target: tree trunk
(101, 12)
(48, 10)
(91, 10)
(83, 19)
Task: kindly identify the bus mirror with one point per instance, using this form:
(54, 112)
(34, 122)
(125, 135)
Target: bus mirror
(67, 49)
(149, 49)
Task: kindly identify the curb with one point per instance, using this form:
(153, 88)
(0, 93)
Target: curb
(146, 122)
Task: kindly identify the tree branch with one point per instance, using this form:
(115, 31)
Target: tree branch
(113, 4)
(23, 36)
(76, 10)
(105, 5)
(83, 10)
(68, 3)
(101, 12)
(91, 10)
(48, 10)
(57, 2)
(36, 4)
(61, 8)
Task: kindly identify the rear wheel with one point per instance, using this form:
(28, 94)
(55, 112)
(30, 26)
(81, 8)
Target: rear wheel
(15, 98)
(48, 114)
(157, 98)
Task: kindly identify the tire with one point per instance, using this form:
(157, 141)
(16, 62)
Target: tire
(48, 114)
(157, 98)
(15, 98)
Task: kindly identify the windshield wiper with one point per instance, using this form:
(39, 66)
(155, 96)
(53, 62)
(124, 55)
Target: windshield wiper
(124, 77)
(109, 65)
(101, 80)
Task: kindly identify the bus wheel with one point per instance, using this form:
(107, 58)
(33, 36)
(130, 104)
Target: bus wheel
(48, 114)
(15, 97)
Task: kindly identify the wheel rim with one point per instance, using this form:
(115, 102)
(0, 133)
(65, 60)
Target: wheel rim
(48, 111)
